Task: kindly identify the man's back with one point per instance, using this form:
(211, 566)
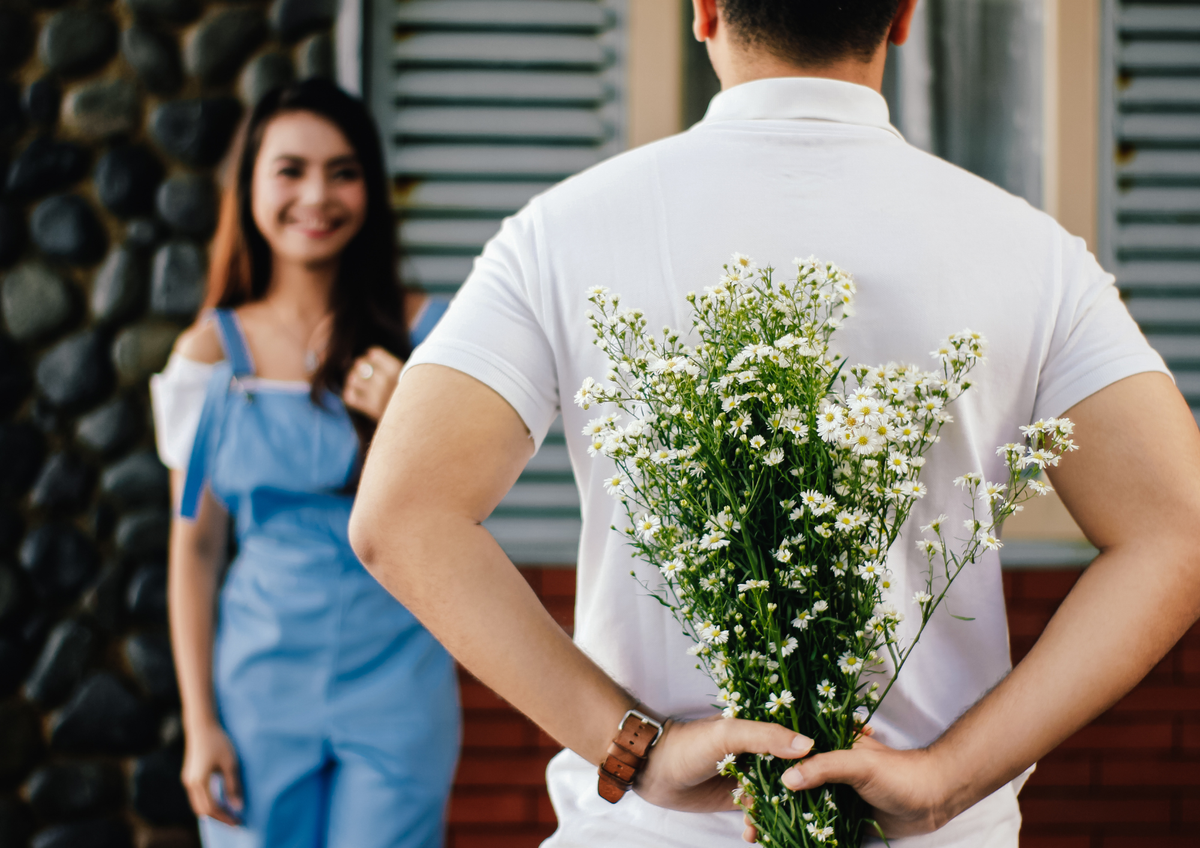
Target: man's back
(783, 168)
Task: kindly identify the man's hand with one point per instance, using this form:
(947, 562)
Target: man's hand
(1134, 489)
(681, 772)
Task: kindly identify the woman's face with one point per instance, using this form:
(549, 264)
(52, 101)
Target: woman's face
(308, 196)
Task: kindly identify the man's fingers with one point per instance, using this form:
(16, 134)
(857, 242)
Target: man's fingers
(834, 767)
(758, 737)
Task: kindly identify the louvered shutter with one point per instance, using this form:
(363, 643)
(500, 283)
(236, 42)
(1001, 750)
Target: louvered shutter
(483, 104)
(1150, 181)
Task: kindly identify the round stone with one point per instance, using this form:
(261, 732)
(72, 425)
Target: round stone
(104, 600)
(11, 595)
(36, 301)
(177, 279)
(47, 417)
(155, 57)
(42, 100)
(142, 350)
(44, 167)
(20, 739)
(65, 227)
(61, 665)
(75, 42)
(22, 447)
(73, 790)
(101, 109)
(14, 377)
(196, 132)
(98, 833)
(143, 233)
(111, 427)
(100, 522)
(14, 662)
(103, 717)
(76, 373)
(58, 559)
(264, 73)
(12, 116)
(169, 11)
(12, 234)
(63, 484)
(293, 19)
(126, 178)
(16, 822)
(12, 527)
(147, 594)
(316, 57)
(188, 203)
(144, 533)
(158, 796)
(149, 658)
(222, 43)
(137, 480)
(15, 39)
(119, 290)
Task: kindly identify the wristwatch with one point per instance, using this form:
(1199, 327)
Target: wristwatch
(636, 735)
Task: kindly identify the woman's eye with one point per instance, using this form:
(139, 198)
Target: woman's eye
(290, 171)
(347, 175)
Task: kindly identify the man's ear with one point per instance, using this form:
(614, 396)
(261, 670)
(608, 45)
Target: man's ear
(704, 19)
(902, 22)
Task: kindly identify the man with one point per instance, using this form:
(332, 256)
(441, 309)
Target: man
(795, 157)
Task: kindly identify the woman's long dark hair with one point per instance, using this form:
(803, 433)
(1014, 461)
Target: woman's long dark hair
(368, 298)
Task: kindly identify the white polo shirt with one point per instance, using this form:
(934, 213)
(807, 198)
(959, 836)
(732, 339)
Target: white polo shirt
(781, 168)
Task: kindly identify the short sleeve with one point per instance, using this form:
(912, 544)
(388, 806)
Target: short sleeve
(177, 399)
(492, 330)
(1095, 340)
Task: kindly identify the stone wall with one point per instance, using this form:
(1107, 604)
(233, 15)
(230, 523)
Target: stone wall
(113, 114)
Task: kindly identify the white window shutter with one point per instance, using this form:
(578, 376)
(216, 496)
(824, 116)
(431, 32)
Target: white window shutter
(1150, 175)
(482, 105)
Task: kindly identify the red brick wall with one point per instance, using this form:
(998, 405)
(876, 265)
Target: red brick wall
(1130, 780)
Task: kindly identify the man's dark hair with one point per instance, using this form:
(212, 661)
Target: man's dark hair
(811, 33)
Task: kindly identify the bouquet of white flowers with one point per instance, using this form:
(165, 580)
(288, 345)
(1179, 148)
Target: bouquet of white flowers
(766, 481)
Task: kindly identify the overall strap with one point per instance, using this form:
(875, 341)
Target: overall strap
(431, 313)
(207, 431)
(234, 342)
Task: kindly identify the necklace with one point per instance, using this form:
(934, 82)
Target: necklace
(312, 356)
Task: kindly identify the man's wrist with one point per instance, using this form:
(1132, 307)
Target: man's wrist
(951, 788)
(627, 754)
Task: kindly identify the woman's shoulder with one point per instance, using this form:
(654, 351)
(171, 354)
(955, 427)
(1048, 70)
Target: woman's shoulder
(201, 342)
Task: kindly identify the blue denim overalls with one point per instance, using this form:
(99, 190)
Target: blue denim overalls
(343, 709)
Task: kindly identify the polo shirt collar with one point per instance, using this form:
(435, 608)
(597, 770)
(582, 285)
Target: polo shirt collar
(812, 98)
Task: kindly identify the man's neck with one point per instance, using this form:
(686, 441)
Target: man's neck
(747, 67)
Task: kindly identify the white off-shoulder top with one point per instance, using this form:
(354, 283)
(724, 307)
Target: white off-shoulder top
(177, 398)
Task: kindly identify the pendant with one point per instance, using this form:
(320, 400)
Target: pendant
(311, 361)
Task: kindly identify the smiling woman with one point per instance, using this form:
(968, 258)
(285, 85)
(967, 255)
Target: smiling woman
(319, 712)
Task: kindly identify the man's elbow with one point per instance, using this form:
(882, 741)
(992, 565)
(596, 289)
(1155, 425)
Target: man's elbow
(367, 534)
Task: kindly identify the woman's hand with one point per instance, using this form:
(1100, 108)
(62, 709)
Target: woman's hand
(208, 751)
(371, 381)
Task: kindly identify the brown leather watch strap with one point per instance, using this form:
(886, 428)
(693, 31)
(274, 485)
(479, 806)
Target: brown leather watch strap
(626, 756)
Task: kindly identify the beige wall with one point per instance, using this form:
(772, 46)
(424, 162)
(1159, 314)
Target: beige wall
(1072, 120)
(655, 62)
(1073, 113)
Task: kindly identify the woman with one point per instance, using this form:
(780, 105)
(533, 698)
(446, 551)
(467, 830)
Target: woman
(322, 714)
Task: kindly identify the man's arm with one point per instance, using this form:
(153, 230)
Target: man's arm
(1134, 489)
(446, 452)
